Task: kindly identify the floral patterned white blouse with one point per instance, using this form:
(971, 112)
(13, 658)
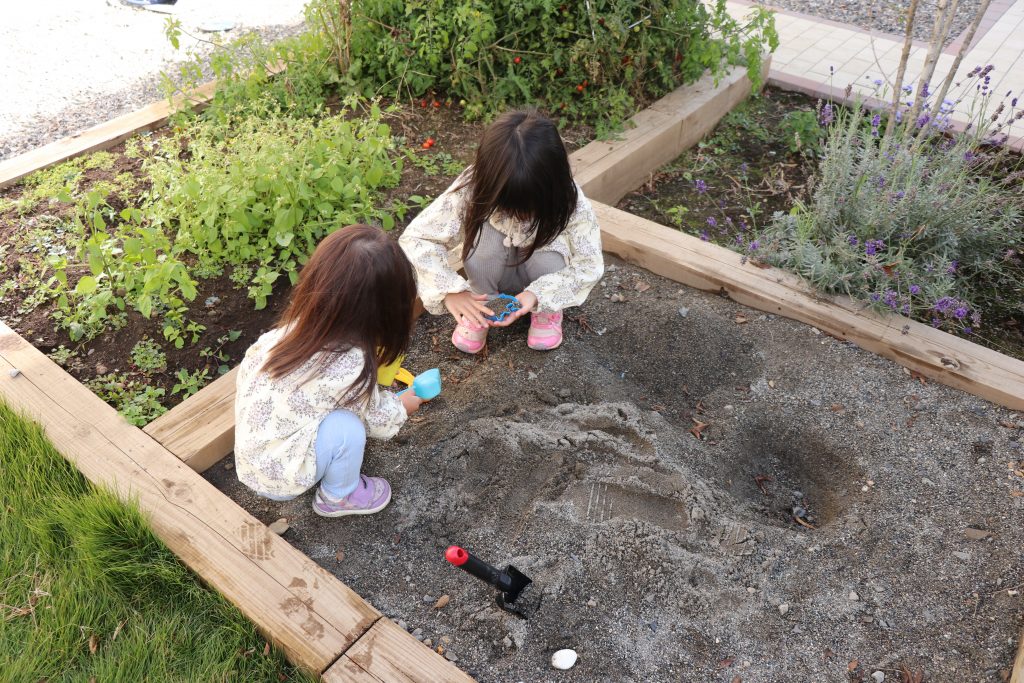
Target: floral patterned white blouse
(276, 420)
(438, 230)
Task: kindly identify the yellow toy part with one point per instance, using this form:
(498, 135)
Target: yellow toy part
(388, 374)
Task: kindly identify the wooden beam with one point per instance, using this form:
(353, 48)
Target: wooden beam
(938, 355)
(101, 136)
(311, 615)
(609, 169)
(200, 430)
(1017, 676)
(388, 653)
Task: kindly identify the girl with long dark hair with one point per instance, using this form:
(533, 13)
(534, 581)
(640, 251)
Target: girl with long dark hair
(307, 394)
(525, 227)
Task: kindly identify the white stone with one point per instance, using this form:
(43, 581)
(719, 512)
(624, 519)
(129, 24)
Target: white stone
(783, 609)
(853, 596)
(564, 659)
(878, 677)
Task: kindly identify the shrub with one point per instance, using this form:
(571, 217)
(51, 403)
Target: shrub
(589, 61)
(921, 220)
(263, 191)
(586, 61)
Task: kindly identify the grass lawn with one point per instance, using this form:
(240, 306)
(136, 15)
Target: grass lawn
(87, 592)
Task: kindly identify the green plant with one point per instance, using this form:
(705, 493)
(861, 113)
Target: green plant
(59, 183)
(217, 354)
(261, 192)
(61, 355)
(137, 402)
(587, 61)
(130, 262)
(920, 220)
(190, 382)
(802, 132)
(148, 357)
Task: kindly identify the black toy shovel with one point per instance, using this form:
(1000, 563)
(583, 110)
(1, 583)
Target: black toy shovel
(513, 584)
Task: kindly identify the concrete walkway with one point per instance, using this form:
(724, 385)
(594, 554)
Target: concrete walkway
(823, 57)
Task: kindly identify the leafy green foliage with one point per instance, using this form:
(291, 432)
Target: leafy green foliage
(587, 61)
(190, 382)
(129, 263)
(87, 592)
(137, 402)
(803, 132)
(148, 357)
(263, 191)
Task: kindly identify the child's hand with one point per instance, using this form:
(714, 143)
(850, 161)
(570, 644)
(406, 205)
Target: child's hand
(527, 302)
(411, 401)
(469, 306)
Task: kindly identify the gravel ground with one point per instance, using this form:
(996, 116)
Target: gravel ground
(880, 15)
(74, 64)
(659, 556)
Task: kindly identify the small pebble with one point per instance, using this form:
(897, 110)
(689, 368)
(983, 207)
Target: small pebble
(617, 298)
(684, 311)
(591, 602)
(783, 609)
(14, 372)
(229, 465)
(531, 375)
(280, 526)
(963, 556)
(450, 656)
(429, 598)
(428, 642)
(853, 596)
(878, 676)
(507, 642)
(418, 632)
(564, 659)
(564, 393)
(402, 625)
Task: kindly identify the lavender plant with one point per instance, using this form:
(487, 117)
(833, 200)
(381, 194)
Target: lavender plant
(914, 217)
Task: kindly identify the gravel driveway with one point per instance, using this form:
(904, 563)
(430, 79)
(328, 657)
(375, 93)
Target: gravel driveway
(73, 64)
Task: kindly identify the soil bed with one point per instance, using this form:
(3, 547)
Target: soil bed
(666, 557)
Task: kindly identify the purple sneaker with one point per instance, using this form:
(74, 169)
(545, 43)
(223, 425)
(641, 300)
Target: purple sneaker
(372, 494)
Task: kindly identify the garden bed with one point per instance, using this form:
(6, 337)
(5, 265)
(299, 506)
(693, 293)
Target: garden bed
(763, 158)
(646, 474)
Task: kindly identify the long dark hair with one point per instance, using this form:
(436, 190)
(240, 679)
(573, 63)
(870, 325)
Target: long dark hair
(356, 291)
(523, 169)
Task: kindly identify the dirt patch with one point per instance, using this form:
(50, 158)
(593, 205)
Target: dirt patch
(658, 554)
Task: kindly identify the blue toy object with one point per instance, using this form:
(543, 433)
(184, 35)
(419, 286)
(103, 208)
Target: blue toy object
(426, 385)
(511, 307)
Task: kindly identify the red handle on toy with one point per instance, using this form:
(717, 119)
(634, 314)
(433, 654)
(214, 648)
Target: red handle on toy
(456, 555)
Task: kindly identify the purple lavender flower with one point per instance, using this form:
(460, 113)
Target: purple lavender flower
(908, 89)
(712, 222)
(905, 309)
(951, 270)
(875, 296)
(701, 186)
(968, 330)
(877, 81)
(876, 120)
(852, 239)
(923, 120)
(960, 313)
(881, 182)
(826, 116)
(890, 299)
(872, 247)
(900, 195)
(944, 305)
(704, 236)
(914, 289)
(755, 245)
(744, 168)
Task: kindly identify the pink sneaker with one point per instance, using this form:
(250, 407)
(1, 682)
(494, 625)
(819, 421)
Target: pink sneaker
(468, 337)
(545, 331)
(372, 494)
